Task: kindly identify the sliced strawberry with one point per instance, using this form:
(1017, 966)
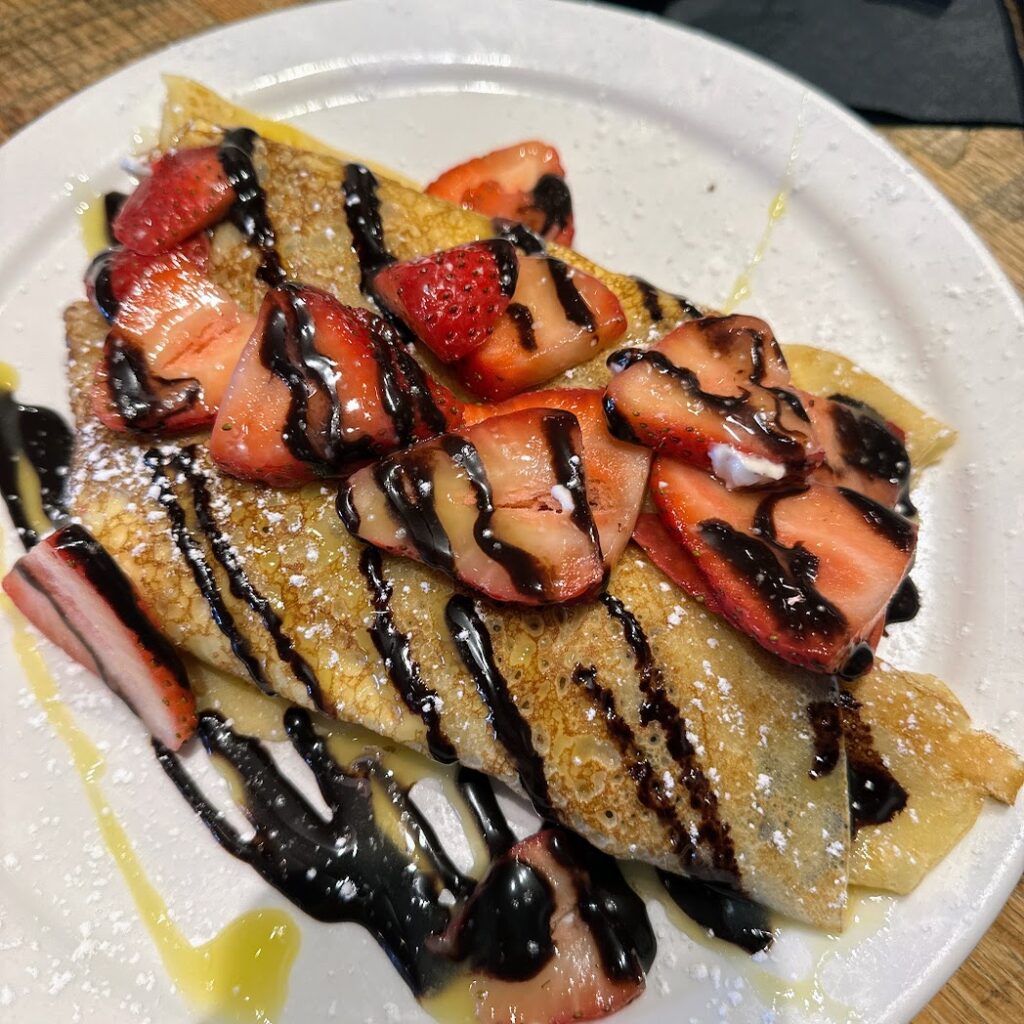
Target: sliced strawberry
(116, 271)
(716, 393)
(558, 318)
(319, 386)
(806, 571)
(616, 471)
(185, 192)
(171, 352)
(75, 594)
(550, 969)
(501, 505)
(451, 300)
(524, 182)
(664, 548)
(862, 450)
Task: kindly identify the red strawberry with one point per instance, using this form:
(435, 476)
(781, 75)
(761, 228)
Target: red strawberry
(524, 182)
(170, 354)
(116, 271)
(806, 571)
(321, 385)
(665, 550)
(616, 471)
(75, 594)
(558, 318)
(451, 300)
(572, 983)
(862, 450)
(185, 192)
(501, 506)
(716, 393)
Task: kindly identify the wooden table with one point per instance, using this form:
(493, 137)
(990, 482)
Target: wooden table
(50, 49)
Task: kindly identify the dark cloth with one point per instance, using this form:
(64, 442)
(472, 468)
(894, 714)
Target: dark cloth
(937, 61)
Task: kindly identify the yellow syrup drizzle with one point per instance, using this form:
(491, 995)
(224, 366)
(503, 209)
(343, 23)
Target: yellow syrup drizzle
(744, 284)
(92, 219)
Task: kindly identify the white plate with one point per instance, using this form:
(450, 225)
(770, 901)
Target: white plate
(676, 146)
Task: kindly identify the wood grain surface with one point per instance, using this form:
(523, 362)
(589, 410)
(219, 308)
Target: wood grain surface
(50, 49)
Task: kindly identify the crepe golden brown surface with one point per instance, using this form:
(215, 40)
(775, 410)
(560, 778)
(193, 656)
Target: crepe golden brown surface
(746, 713)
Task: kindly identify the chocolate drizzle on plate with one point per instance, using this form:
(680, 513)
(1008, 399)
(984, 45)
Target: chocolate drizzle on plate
(395, 649)
(658, 707)
(41, 438)
(249, 211)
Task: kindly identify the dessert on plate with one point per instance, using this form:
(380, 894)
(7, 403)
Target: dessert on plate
(404, 460)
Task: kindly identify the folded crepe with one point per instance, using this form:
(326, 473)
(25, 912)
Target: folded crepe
(268, 584)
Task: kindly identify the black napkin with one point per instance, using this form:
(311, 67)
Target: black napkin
(940, 61)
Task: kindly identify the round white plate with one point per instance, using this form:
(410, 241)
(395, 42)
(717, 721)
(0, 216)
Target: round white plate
(676, 146)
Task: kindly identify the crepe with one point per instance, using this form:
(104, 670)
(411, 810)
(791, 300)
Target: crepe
(284, 581)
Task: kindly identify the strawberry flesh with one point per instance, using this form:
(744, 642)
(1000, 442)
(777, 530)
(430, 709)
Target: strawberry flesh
(185, 192)
(321, 385)
(451, 300)
(559, 317)
(862, 450)
(501, 505)
(616, 471)
(171, 351)
(550, 969)
(662, 546)
(711, 388)
(74, 593)
(116, 271)
(807, 571)
(524, 182)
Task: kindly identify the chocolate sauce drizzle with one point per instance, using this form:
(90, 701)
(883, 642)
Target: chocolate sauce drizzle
(145, 401)
(827, 732)
(649, 786)
(473, 643)
(183, 463)
(526, 574)
(92, 561)
(346, 867)
(43, 438)
(895, 528)
(870, 446)
(875, 794)
(98, 277)
(552, 197)
(522, 320)
(362, 212)
(658, 707)
(567, 463)
(905, 605)
(478, 793)
(651, 301)
(395, 649)
(112, 203)
(573, 304)
(528, 243)
(249, 211)
(726, 913)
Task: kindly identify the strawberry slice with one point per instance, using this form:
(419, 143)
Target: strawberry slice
(663, 548)
(170, 354)
(501, 506)
(321, 385)
(616, 471)
(451, 300)
(116, 271)
(558, 318)
(715, 392)
(551, 970)
(863, 451)
(73, 592)
(524, 183)
(185, 192)
(807, 571)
